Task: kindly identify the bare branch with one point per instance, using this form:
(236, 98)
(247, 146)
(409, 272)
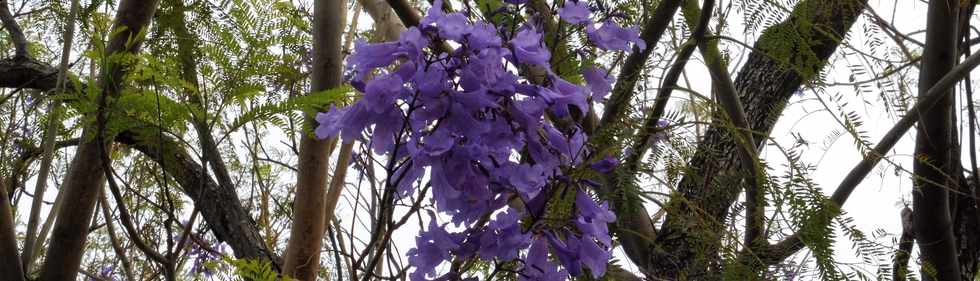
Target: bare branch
(127, 265)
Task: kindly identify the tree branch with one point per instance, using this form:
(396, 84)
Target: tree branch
(303, 249)
(10, 262)
(50, 135)
(937, 92)
(127, 265)
(405, 12)
(629, 74)
(936, 142)
(219, 203)
(731, 105)
(126, 218)
(16, 33)
(690, 238)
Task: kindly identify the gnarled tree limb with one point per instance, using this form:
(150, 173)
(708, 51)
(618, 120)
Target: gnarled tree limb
(765, 83)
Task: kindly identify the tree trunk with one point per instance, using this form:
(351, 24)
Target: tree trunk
(85, 176)
(10, 264)
(303, 250)
(689, 242)
(966, 229)
(934, 168)
(219, 203)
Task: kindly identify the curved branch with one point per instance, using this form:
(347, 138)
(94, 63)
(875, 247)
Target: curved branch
(219, 204)
(126, 218)
(938, 91)
(16, 33)
(114, 241)
(732, 106)
(629, 74)
(408, 15)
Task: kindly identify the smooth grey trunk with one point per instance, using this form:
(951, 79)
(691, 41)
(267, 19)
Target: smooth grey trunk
(48, 145)
(934, 169)
(302, 259)
(83, 183)
(10, 264)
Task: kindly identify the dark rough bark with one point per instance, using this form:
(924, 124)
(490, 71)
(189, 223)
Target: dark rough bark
(188, 64)
(935, 171)
(27, 73)
(303, 249)
(966, 228)
(790, 53)
(219, 204)
(83, 183)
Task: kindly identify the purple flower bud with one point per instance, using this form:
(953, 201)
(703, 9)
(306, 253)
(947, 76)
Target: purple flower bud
(606, 165)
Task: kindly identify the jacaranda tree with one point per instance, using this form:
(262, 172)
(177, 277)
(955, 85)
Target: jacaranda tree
(481, 139)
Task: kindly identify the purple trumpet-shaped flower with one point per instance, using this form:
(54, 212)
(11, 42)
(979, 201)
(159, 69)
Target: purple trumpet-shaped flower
(606, 165)
(472, 123)
(538, 267)
(432, 247)
(610, 36)
(575, 12)
(599, 81)
(529, 48)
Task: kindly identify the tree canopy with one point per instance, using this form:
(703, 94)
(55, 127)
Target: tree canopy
(488, 140)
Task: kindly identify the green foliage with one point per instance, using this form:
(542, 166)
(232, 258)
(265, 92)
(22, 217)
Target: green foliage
(309, 104)
(255, 270)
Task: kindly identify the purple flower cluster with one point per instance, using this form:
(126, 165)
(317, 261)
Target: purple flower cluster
(477, 125)
(204, 258)
(106, 273)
